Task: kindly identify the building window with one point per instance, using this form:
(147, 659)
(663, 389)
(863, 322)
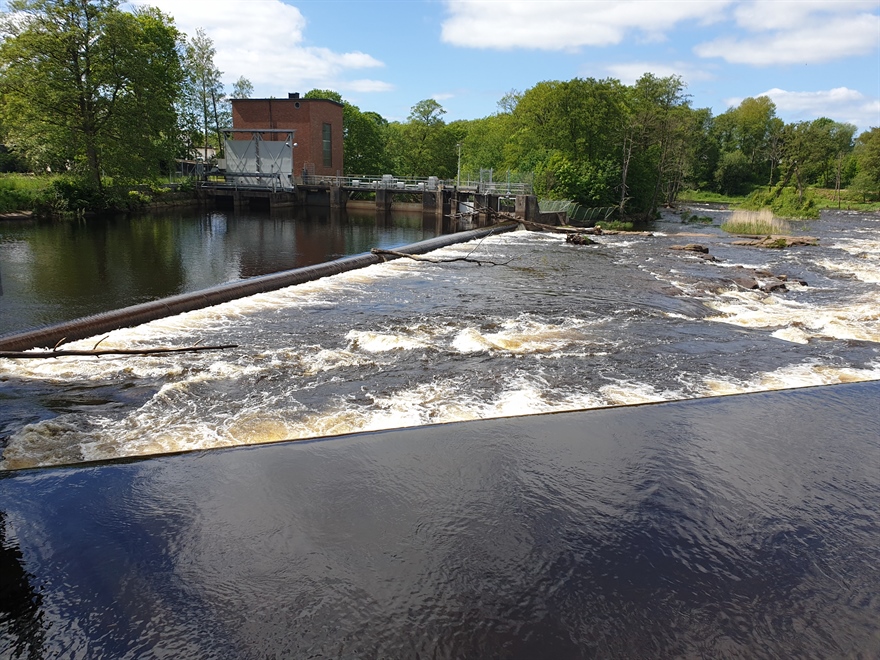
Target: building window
(328, 146)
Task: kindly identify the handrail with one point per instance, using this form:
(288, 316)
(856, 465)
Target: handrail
(415, 184)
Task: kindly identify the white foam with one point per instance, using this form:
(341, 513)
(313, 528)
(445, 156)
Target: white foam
(753, 309)
(381, 342)
(807, 374)
(864, 270)
(523, 335)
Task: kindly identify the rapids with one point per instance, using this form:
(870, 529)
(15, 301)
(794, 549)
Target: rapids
(409, 343)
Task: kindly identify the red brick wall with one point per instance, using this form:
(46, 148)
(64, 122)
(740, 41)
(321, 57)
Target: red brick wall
(306, 117)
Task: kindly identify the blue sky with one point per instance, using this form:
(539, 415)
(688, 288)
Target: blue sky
(812, 58)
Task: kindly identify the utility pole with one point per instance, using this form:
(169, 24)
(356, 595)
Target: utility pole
(458, 175)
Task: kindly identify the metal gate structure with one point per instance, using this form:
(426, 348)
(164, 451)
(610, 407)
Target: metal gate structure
(258, 162)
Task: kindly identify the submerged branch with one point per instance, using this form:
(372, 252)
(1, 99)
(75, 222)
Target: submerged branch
(18, 355)
(416, 257)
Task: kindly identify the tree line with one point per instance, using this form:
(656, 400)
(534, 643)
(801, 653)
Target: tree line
(110, 95)
(601, 143)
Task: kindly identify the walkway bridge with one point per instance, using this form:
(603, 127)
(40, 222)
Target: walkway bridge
(383, 194)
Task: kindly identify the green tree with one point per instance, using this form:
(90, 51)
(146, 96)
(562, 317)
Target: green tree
(89, 87)
(734, 173)
(242, 89)
(814, 152)
(204, 90)
(867, 156)
(327, 94)
(364, 136)
(424, 145)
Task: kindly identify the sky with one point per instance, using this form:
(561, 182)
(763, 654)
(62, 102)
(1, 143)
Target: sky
(812, 58)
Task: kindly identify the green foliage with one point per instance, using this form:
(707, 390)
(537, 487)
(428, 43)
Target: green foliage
(867, 157)
(364, 142)
(242, 88)
(327, 94)
(87, 87)
(20, 193)
(734, 173)
(589, 184)
(425, 145)
(784, 202)
(203, 111)
(10, 161)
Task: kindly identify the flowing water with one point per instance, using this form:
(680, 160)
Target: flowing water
(406, 343)
(719, 526)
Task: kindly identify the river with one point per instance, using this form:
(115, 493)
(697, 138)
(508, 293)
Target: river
(406, 343)
(698, 525)
(52, 272)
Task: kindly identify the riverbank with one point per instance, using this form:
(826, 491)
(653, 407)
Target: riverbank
(824, 198)
(24, 197)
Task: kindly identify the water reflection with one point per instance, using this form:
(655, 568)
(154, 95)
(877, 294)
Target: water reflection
(21, 620)
(710, 528)
(54, 272)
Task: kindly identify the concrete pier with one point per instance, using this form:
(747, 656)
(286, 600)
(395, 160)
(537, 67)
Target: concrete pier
(439, 201)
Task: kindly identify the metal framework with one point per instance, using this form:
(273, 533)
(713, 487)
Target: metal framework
(257, 162)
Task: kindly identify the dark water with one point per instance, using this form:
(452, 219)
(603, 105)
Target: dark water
(52, 272)
(717, 527)
(734, 527)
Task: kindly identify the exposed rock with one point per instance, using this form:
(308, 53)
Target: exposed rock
(746, 282)
(691, 247)
(775, 286)
(778, 242)
(579, 239)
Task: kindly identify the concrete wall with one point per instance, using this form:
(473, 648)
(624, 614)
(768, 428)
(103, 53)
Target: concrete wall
(306, 117)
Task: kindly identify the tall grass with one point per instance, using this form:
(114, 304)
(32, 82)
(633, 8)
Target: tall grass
(21, 192)
(757, 223)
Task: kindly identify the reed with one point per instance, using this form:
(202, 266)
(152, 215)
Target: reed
(756, 223)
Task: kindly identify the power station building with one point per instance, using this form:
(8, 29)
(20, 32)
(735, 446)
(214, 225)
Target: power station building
(313, 125)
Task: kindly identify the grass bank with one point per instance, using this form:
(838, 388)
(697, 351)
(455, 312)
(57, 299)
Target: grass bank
(22, 192)
(60, 196)
(822, 198)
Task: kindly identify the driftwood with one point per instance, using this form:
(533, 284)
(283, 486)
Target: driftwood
(479, 262)
(17, 355)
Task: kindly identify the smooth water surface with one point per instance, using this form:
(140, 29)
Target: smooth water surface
(52, 272)
(733, 527)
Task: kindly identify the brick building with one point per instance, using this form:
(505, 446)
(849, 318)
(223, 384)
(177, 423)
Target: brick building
(318, 126)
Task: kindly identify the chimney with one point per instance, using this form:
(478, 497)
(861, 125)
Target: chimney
(293, 95)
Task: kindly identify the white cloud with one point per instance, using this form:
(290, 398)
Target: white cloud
(629, 72)
(840, 104)
(263, 41)
(366, 86)
(798, 33)
(567, 25)
(768, 15)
